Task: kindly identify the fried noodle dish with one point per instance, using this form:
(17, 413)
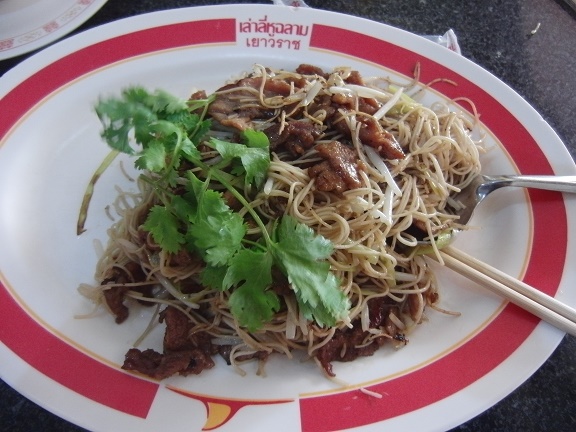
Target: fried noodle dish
(280, 214)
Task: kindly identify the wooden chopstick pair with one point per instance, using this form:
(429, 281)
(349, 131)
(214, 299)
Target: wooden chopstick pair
(534, 301)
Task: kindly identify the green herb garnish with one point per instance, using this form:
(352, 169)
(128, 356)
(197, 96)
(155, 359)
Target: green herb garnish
(163, 133)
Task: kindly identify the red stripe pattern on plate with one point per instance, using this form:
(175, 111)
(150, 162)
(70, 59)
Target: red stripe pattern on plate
(506, 333)
(55, 75)
(439, 379)
(21, 333)
(71, 368)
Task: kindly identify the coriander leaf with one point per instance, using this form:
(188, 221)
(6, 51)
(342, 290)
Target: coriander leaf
(164, 227)
(171, 177)
(301, 255)
(251, 302)
(202, 128)
(213, 277)
(218, 237)
(216, 231)
(187, 126)
(321, 315)
(165, 132)
(255, 139)
(148, 115)
(195, 188)
(254, 267)
(183, 208)
(161, 100)
(208, 202)
(189, 149)
(173, 138)
(255, 160)
(119, 117)
(153, 157)
(299, 239)
(252, 309)
(184, 120)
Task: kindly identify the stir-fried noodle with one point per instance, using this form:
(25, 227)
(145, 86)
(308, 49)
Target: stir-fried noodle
(357, 160)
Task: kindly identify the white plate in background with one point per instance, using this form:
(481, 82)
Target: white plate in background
(26, 25)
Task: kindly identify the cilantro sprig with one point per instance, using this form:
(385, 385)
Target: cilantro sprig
(162, 132)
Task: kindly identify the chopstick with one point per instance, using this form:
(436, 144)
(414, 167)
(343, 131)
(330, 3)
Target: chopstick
(534, 301)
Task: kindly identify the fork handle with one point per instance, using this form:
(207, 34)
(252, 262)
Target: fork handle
(547, 182)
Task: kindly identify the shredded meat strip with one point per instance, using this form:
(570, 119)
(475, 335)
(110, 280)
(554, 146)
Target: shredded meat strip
(349, 343)
(115, 296)
(185, 352)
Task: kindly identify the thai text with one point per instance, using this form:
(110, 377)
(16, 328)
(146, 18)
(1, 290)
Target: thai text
(273, 43)
(273, 29)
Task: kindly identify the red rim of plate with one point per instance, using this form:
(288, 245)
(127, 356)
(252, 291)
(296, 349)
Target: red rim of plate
(134, 396)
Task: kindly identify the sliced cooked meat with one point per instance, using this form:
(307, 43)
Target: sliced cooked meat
(372, 134)
(350, 343)
(365, 105)
(179, 335)
(114, 298)
(230, 107)
(297, 136)
(308, 69)
(160, 366)
(355, 78)
(184, 353)
(339, 170)
(115, 295)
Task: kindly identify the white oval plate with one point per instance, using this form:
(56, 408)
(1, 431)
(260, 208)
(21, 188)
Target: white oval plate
(452, 369)
(26, 25)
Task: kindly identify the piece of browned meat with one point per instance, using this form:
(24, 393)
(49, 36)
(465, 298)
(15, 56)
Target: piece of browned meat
(296, 136)
(308, 69)
(350, 343)
(161, 366)
(349, 102)
(230, 107)
(115, 296)
(372, 134)
(339, 170)
(184, 353)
